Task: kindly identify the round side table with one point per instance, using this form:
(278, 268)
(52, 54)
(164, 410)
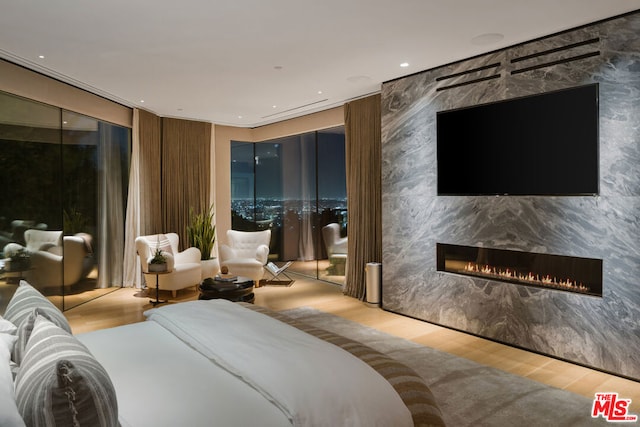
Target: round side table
(157, 274)
(238, 290)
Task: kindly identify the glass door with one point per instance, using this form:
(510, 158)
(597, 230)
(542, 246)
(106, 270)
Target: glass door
(296, 187)
(31, 201)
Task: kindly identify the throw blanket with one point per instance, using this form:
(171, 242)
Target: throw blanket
(313, 382)
(411, 388)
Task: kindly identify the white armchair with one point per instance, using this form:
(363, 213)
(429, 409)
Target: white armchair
(336, 248)
(246, 253)
(56, 260)
(36, 240)
(186, 268)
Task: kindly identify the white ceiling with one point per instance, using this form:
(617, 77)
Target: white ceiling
(254, 62)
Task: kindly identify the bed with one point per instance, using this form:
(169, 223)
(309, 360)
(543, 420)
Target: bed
(210, 363)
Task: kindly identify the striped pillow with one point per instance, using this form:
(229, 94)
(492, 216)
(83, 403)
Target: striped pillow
(61, 384)
(25, 329)
(159, 241)
(25, 299)
(22, 309)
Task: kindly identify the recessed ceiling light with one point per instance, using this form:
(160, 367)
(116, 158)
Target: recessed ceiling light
(239, 117)
(41, 56)
(274, 106)
(404, 64)
(319, 92)
(487, 38)
(142, 101)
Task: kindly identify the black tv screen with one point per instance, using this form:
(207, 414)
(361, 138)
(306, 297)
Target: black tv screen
(543, 144)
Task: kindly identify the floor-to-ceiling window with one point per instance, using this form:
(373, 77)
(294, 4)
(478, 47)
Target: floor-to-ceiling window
(295, 186)
(64, 177)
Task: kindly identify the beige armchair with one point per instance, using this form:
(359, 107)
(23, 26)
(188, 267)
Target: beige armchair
(186, 269)
(56, 260)
(246, 253)
(336, 249)
(36, 240)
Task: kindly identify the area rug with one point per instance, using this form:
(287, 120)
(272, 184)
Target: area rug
(468, 393)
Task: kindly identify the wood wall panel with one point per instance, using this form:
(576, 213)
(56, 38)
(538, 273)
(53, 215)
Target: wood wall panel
(21, 81)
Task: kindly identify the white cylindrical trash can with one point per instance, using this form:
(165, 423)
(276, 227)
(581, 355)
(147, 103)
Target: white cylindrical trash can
(373, 275)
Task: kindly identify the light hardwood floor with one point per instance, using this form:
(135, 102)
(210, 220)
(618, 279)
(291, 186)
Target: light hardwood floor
(127, 305)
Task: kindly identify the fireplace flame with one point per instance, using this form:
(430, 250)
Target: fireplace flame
(527, 278)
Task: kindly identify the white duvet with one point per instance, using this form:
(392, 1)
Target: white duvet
(161, 382)
(314, 383)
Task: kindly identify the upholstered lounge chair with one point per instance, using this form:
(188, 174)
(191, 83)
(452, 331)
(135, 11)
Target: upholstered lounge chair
(246, 253)
(56, 260)
(186, 269)
(336, 248)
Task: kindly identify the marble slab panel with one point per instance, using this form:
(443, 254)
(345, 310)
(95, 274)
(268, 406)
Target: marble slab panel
(600, 332)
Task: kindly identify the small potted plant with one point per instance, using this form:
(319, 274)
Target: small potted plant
(19, 259)
(158, 262)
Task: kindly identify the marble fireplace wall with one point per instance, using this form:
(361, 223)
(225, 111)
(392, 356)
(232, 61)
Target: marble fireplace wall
(599, 332)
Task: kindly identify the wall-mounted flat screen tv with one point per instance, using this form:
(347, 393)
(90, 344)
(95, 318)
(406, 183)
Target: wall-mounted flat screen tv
(543, 144)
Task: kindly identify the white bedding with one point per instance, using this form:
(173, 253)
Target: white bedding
(314, 382)
(161, 382)
(247, 369)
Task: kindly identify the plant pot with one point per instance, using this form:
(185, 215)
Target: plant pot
(157, 268)
(209, 268)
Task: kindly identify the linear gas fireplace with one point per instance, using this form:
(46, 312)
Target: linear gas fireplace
(565, 273)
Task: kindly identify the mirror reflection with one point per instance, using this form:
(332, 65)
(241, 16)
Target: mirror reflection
(50, 212)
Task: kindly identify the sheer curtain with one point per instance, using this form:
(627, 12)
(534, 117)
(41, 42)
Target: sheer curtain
(110, 209)
(363, 157)
(308, 186)
(131, 264)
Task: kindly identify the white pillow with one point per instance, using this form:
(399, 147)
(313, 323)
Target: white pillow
(159, 241)
(7, 341)
(9, 415)
(7, 327)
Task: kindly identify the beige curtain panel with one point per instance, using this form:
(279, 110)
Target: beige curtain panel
(363, 157)
(170, 172)
(150, 140)
(186, 159)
